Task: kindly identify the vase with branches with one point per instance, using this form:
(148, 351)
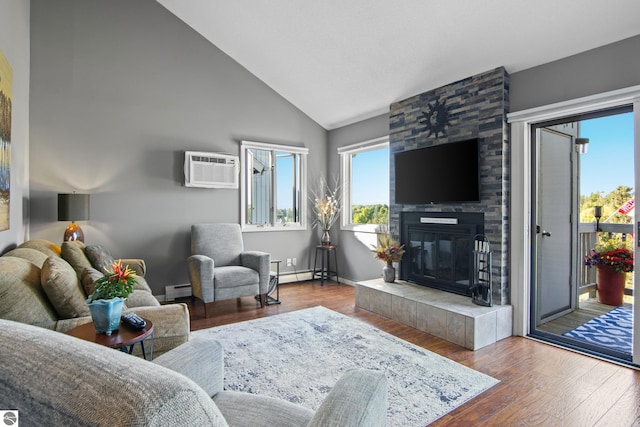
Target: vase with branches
(326, 207)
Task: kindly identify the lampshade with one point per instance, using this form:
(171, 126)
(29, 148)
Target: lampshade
(73, 207)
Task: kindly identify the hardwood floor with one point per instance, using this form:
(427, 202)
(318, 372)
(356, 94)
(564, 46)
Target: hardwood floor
(540, 384)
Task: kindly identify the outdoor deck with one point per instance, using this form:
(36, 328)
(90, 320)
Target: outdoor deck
(589, 309)
(588, 305)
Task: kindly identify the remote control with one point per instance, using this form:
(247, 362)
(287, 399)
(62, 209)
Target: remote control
(134, 321)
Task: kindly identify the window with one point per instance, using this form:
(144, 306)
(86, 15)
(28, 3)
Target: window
(365, 177)
(273, 188)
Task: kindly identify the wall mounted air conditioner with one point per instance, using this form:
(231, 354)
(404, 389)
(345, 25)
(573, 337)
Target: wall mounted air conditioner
(211, 170)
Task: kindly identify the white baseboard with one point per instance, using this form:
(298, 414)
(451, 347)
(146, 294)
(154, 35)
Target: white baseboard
(293, 277)
(306, 276)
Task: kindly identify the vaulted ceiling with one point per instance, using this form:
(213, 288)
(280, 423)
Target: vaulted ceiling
(342, 61)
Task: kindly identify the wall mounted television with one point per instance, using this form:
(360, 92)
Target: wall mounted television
(441, 173)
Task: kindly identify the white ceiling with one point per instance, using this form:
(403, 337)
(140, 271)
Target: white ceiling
(342, 61)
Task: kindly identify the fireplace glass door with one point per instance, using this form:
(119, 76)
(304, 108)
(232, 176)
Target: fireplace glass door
(442, 257)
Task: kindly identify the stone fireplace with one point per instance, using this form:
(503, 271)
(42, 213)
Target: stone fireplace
(435, 271)
(475, 107)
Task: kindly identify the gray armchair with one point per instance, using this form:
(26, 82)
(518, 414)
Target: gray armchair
(220, 268)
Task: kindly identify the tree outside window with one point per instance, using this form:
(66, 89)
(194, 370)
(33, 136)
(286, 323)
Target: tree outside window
(365, 174)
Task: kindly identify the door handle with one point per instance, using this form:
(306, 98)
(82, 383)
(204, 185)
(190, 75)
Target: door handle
(546, 233)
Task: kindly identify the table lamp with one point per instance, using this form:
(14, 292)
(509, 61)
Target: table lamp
(73, 207)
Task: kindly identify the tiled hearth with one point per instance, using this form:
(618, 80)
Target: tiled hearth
(449, 316)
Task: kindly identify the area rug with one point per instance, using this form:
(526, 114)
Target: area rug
(613, 330)
(299, 356)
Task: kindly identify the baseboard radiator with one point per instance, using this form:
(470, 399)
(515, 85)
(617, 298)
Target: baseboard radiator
(176, 291)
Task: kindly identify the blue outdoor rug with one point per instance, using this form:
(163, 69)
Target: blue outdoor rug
(613, 330)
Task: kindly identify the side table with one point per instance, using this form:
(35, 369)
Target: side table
(325, 272)
(124, 338)
(274, 285)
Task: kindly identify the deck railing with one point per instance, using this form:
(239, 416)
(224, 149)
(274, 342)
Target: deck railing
(587, 237)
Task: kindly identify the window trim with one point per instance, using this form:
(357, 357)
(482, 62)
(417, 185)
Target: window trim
(273, 226)
(345, 173)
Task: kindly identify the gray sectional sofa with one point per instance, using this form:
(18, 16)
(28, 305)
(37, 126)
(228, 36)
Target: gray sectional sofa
(46, 285)
(56, 380)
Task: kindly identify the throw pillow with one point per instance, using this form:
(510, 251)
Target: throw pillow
(88, 276)
(34, 256)
(100, 258)
(61, 284)
(44, 246)
(21, 297)
(73, 252)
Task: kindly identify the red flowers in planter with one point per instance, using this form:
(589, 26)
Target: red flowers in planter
(607, 254)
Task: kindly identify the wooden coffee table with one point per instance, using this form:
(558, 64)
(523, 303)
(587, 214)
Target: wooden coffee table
(124, 338)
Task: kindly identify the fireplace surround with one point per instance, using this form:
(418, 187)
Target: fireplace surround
(475, 107)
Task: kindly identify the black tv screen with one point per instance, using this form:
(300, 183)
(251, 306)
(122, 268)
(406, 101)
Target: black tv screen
(441, 173)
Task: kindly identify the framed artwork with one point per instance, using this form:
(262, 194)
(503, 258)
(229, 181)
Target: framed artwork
(6, 76)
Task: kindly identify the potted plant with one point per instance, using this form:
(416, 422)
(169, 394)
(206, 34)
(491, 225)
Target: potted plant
(389, 251)
(612, 259)
(105, 303)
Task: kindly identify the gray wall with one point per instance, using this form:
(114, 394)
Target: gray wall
(14, 44)
(119, 90)
(356, 259)
(607, 68)
(611, 67)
